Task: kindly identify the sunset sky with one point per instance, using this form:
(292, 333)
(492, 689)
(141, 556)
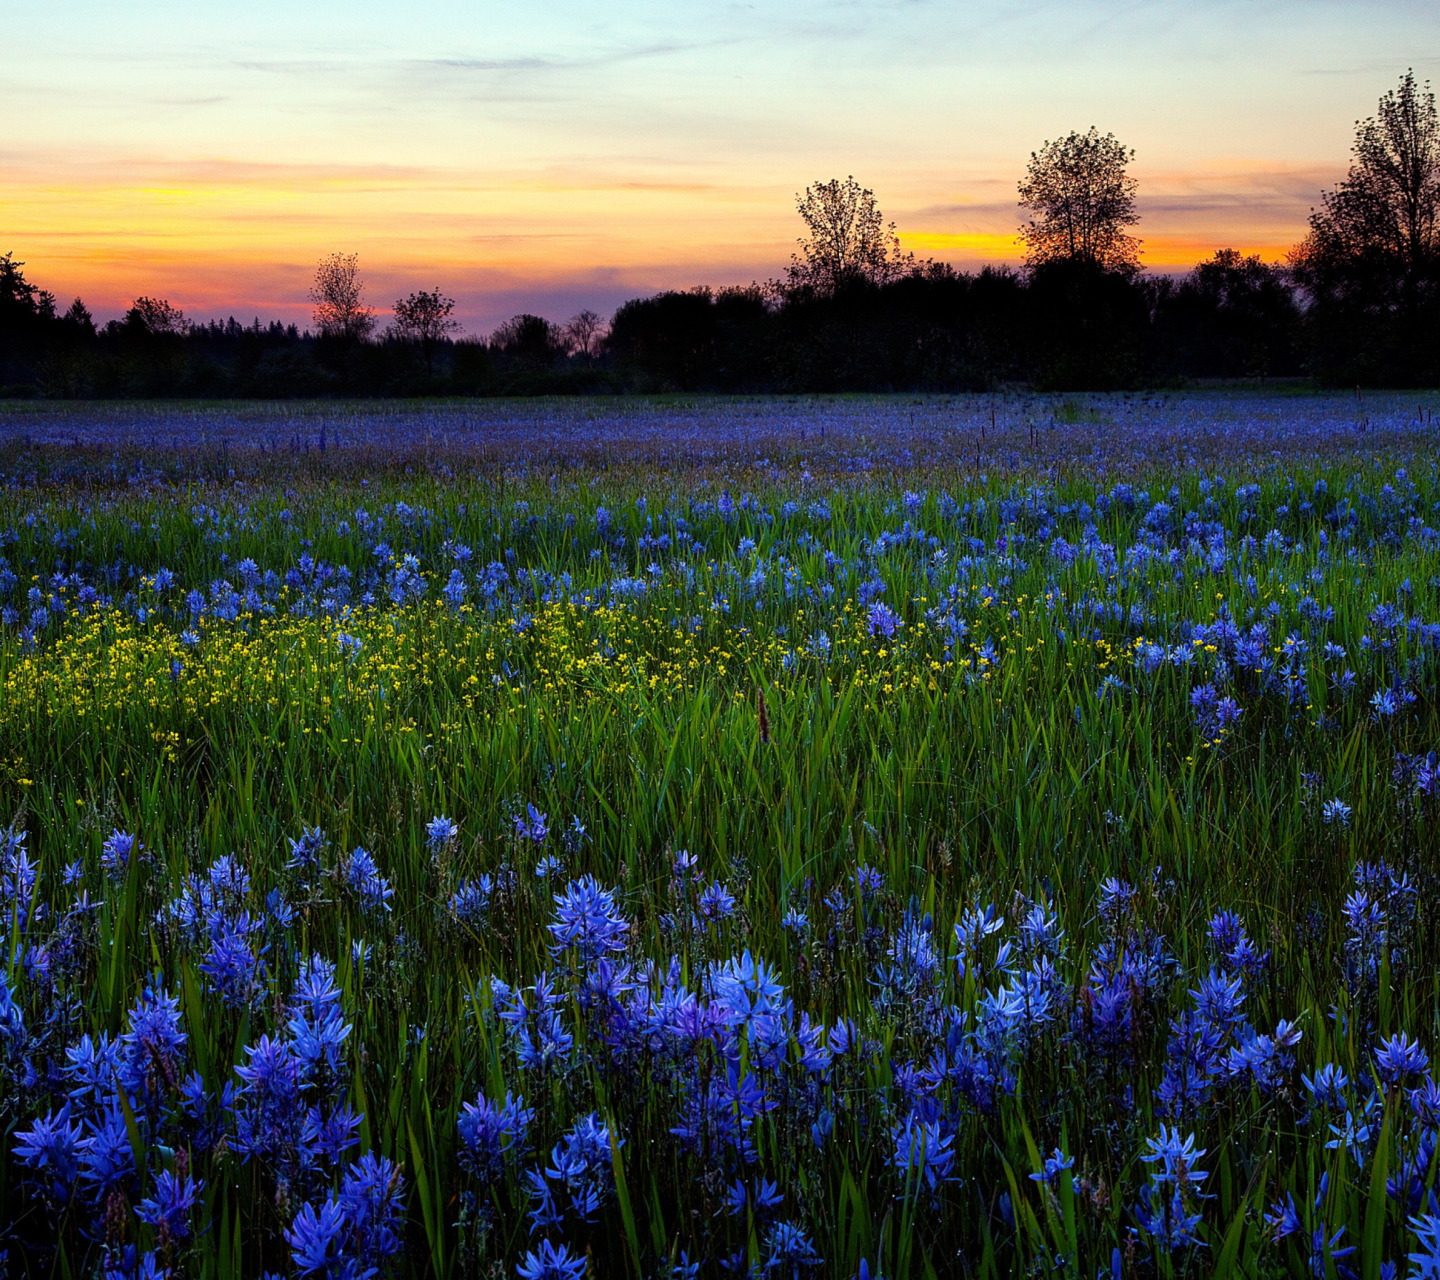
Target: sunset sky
(548, 156)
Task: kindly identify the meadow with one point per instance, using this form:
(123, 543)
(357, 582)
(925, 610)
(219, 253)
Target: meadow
(887, 836)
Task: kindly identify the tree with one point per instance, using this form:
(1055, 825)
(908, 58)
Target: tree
(1081, 201)
(156, 317)
(1388, 207)
(1371, 261)
(1233, 316)
(849, 242)
(530, 340)
(425, 319)
(19, 299)
(584, 333)
(338, 294)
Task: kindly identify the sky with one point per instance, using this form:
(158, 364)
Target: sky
(536, 156)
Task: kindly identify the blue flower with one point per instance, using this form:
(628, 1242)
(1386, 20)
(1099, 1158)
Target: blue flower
(881, 621)
(319, 1041)
(305, 852)
(318, 1240)
(327, 1138)
(470, 903)
(231, 967)
(579, 1178)
(1425, 1261)
(372, 1196)
(152, 1051)
(1336, 812)
(534, 826)
(789, 1250)
(488, 1134)
(1055, 1164)
(117, 851)
(439, 832)
(51, 1145)
(588, 919)
(365, 881)
(1327, 1088)
(1399, 1059)
(551, 1262)
(106, 1159)
(171, 1203)
(716, 903)
(922, 1154)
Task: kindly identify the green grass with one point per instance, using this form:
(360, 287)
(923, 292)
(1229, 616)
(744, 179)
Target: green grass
(961, 783)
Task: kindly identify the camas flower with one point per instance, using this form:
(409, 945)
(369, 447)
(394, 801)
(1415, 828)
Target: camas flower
(588, 919)
(882, 621)
(1400, 1059)
(363, 878)
(552, 1262)
(922, 1153)
(51, 1146)
(439, 832)
(170, 1204)
(490, 1133)
(1335, 812)
(533, 825)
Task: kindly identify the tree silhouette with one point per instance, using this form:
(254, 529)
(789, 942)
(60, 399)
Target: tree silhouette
(849, 242)
(157, 317)
(339, 297)
(1081, 201)
(1371, 261)
(584, 333)
(1385, 217)
(425, 319)
(530, 340)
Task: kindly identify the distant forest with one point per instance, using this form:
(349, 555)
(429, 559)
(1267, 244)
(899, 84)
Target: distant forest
(1356, 303)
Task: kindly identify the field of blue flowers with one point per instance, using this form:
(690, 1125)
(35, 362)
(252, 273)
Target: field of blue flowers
(888, 837)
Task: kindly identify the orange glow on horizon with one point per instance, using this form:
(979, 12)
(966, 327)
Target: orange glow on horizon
(217, 237)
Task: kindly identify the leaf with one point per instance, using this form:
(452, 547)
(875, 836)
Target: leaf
(1374, 1238)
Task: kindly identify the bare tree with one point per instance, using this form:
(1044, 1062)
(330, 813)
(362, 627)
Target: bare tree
(339, 297)
(1384, 219)
(849, 242)
(425, 319)
(1081, 201)
(584, 333)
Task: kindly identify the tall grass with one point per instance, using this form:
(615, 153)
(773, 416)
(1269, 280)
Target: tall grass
(1027, 760)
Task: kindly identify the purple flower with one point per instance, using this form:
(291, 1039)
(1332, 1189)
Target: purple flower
(116, 852)
(588, 919)
(365, 881)
(439, 832)
(372, 1196)
(171, 1203)
(551, 1262)
(317, 1240)
(51, 1145)
(881, 621)
(922, 1153)
(1399, 1059)
(535, 826)
(489, 1133)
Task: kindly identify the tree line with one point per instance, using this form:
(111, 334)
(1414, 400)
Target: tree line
(1357, 302)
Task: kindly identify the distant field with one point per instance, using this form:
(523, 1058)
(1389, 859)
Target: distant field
(847, 433)
(721, 837)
